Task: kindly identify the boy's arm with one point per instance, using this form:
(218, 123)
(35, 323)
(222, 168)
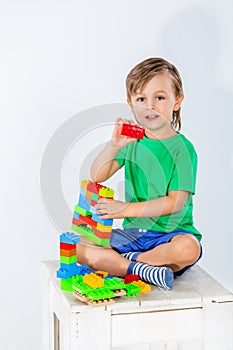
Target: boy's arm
(170, 204)
(104, 166)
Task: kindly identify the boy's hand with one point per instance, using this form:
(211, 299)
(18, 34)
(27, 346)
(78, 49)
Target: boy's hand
(111, 208)
(119, 140)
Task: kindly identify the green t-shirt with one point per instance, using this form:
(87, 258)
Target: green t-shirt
(152, 169)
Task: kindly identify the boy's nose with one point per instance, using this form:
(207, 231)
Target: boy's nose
(151, 107)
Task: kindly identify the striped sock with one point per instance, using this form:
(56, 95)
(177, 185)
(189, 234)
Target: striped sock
(131, 255)
(159, 276)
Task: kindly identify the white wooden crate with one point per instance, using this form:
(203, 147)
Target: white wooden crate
(196, 315)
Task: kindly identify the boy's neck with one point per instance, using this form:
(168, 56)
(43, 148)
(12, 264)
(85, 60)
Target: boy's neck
(156, 135)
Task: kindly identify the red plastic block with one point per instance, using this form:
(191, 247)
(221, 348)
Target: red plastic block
(67, 246)
(130, 278)
(100, 234)
(88, 220)
(134, 131)
(94, 187)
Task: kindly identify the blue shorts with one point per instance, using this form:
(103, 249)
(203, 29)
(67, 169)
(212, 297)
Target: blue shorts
(137, 240)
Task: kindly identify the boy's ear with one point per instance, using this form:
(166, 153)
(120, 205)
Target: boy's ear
(129, 101)
(179, 100)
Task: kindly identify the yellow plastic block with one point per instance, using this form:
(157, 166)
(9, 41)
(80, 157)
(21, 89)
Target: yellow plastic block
(144, 286)
(84, 184)
(106, 192)
(103, 228)
(93, 281)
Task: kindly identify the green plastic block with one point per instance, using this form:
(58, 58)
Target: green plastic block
(66, 284)
(100, 293)
(77, 279)
(81, 211)
(114, 284)
(81, 287)
(68, 259)
(94, 196)
(131, 289)
(89, 234)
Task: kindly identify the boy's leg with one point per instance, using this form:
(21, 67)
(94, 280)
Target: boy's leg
(183, 250)
(99, 258)
(109, 260)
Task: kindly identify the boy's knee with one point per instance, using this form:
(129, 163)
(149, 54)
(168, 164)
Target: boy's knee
(188, 249)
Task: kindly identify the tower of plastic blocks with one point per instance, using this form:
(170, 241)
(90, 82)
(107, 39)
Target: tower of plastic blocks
(68, 266)
(85, 220)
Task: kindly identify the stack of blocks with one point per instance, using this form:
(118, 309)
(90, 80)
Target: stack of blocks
(85, 220)
(68, 266)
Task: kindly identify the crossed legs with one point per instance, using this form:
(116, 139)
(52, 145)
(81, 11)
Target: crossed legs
(183, 250)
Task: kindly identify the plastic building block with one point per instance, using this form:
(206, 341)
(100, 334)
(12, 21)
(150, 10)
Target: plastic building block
(131, 289)
(101, 273)
(68, 259)
(133, 131)
(67, 252)
(81, 211)
(93, 280)
(89, 234)
(66, 273)
(84, 183)
(145, 287)
(97, 218)
(66, 284)
(69, 237)
(94, 187)
(100, 293)
(130, 278)
(114, 284)
(103, 228)
(106, 192)
(102, 235)
(67, 246)
(85, 219)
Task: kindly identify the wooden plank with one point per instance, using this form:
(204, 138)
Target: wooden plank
(157, 326)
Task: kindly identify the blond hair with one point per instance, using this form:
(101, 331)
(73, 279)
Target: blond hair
(144, 71)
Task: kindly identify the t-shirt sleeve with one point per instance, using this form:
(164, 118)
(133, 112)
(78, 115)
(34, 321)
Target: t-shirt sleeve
(120, 157)
(184, 173)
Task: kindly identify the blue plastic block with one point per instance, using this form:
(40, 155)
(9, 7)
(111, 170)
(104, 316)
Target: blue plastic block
(69, 237)
(76, 216)
(109, 276)
(97, 218)
(83, 270)
(92, 209)
(63, 273)
(83, 191)
(69, 267)
(84, 202)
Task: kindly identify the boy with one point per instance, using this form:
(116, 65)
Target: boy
(158, 239)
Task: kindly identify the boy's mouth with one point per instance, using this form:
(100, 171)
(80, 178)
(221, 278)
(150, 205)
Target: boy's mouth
(151, 116)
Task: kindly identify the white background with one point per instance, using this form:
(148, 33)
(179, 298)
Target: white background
(59, 58)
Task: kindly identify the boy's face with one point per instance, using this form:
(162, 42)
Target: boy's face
(154, 105)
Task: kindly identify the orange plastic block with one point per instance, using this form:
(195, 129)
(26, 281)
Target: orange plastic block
(93, 281)
(89, 194)
(68, 253)
(144, 286)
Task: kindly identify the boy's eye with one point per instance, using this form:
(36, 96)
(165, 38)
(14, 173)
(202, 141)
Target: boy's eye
(160, 98)
(140, 99)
